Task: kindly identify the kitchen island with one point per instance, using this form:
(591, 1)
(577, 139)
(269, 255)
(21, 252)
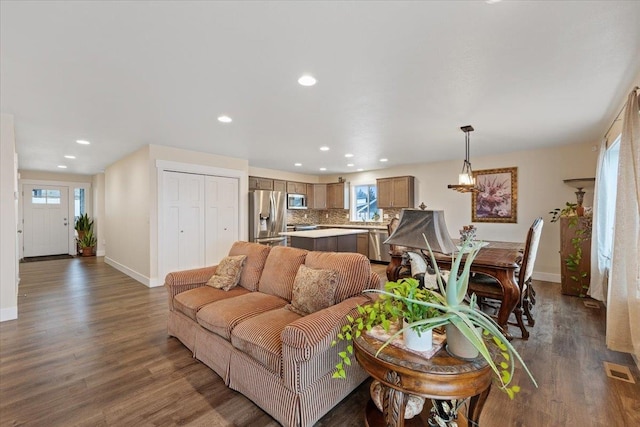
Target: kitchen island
(327, 239)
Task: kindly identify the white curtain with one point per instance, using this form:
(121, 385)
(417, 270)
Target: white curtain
(604, 200)
(623, 308)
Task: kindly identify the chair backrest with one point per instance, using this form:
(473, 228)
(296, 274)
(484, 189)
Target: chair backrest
(530, 251)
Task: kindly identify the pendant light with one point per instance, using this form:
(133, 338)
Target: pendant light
(466, 180)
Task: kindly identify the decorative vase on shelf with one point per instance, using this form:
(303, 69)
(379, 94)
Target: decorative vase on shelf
(458, 345)
(419, 341)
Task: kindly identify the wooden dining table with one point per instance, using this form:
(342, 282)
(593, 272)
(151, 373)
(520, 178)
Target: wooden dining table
(499, 260)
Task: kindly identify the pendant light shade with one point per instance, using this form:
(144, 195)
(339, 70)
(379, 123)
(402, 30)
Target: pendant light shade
(466, 180)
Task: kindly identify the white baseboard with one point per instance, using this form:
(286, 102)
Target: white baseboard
(547, 277)
(10, 313)
(100, 252)
(129, 272)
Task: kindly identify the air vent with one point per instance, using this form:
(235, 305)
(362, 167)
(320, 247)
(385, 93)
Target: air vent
(618, 372)
(591, 304)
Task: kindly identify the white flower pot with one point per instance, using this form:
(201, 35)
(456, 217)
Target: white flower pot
(458, 345)
(415, 341)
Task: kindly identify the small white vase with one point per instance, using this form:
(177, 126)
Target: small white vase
(413, 341)
(458, 345)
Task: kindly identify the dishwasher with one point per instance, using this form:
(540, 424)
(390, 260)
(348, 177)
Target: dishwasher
(377, 250)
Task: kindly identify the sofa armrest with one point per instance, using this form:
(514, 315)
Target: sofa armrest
(180, 281)
(315, 332)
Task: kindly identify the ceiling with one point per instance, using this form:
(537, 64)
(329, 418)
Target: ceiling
(396, 80)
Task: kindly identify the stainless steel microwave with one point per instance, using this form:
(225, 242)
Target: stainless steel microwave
(296, 201)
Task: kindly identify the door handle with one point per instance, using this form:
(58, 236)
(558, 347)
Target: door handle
(19, 231)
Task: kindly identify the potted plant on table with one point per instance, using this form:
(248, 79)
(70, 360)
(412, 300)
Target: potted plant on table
(447, 308)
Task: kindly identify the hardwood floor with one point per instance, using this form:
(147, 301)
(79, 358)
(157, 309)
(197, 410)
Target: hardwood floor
(90, 348)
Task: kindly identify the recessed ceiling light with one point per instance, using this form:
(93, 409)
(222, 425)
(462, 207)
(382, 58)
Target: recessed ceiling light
(69, 156)
(323, 169)
(348, 155)
(62, 166)
(307, 80)
(297, 164)
(384, 160)
(324, 148)
(359, 169)
(83, 142)
(350, 164)
(225, 119)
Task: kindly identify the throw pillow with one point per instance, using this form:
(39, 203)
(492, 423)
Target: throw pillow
(228, 272)
(313, 290)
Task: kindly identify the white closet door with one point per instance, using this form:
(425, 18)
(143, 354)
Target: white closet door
(46, 220)
(221, 216)
(184, 226)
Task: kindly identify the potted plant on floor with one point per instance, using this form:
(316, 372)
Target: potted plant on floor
(82, 225)
(459, 318)
(88, 243)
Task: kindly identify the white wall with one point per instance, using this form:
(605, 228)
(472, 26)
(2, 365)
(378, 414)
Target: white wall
(8, 221)
(97, 190)
(127, 195)
(287, 176)
(540, 189)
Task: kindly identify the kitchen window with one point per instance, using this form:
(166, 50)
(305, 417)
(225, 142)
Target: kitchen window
(364, 203)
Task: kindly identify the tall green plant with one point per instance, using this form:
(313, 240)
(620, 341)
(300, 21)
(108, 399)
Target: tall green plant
(83, 223)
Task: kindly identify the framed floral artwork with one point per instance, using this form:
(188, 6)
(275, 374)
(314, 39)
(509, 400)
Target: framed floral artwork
(497, 197)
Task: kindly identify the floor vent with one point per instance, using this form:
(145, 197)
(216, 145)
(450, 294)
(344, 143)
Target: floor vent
(618, 372)
(591, 304)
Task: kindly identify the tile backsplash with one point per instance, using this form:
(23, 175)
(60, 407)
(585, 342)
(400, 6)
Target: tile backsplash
(331, 216)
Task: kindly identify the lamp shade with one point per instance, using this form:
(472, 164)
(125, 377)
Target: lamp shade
(414, 223)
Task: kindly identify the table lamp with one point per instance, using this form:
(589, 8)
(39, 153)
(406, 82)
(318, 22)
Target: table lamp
(414, 223)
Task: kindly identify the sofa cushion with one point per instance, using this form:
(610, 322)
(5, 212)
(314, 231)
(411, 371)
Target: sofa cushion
(280, 271)
(222, 316)
(256, 257)
(259, 337)
(189, 302)
(353, 271)
(313, 290)
(227, 274)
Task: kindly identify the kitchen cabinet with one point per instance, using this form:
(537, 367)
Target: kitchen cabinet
(396, 192)
(296, 187)
(575, 255)
(317, 196)
(258, 183)
(337, 196)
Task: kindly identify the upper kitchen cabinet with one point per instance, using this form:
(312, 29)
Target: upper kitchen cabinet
(396, 192)
(317, 196)
(337, 196)
(257, 183)
(296, 187)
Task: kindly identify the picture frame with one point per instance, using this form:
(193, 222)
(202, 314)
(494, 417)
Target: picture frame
(497, 197)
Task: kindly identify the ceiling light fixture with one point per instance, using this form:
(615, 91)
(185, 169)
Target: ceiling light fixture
(384, 160)
(297, 164)
(323, 169)
(324, 148)
(466, 181)
(359, 169)
(348, 155)
(350, 165)
(82, 142)
(307, 80)
(225, 119)
(69, 156)
(62, 166)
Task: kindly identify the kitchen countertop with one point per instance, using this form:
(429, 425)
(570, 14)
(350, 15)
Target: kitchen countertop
(324, 232)
(363, 226)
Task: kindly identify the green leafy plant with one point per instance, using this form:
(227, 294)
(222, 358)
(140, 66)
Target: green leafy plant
(451, 308)
(88, 240)
(570, 209)
(574, 260)
(83, 223)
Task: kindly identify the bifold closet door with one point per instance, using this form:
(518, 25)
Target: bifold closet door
(221, 196)
(184, 221)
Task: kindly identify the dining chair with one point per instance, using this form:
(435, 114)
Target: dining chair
(486, 287)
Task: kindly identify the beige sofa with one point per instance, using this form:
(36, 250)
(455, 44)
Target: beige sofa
(280, 360)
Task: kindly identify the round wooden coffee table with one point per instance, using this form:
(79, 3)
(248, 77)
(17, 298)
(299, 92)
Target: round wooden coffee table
(402, 373)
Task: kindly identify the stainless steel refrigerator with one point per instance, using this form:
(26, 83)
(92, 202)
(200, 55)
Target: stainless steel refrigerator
(267, 217)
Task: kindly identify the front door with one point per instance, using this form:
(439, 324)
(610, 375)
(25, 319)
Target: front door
(46, 220)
